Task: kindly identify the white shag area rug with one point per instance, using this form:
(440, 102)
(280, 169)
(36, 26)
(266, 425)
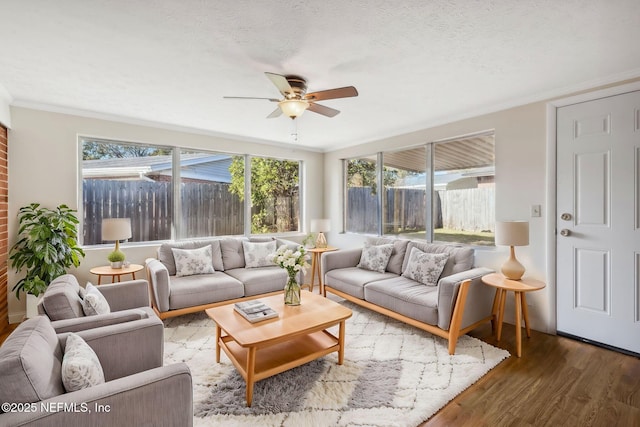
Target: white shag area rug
(393, 375)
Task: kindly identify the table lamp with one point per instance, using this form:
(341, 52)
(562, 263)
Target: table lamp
(512, 233)
(319, 226)
(116, 229)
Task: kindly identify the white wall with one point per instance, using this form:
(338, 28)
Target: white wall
(5, 101)
(520, 162)
(43, 168)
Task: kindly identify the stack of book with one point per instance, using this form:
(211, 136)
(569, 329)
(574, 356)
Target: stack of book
(255, 311)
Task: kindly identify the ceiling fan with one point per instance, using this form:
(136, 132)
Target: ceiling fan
(296, 99)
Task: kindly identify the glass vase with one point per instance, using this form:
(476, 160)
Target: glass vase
(292, 292)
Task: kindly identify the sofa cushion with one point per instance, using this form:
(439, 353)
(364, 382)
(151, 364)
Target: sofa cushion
(232, 253)
(165, 254)
(259, 254)
(405, 296)
(375, 257)
(80, 365)
(190, 262)
(424, 267)
(398, 253)
(460, 257)
(94, 302)
(189, 291)
(62, 298)
(260, 280)
(352, 280)
(30, 363)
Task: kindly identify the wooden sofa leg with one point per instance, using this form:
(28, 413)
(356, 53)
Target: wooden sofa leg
(456, 318)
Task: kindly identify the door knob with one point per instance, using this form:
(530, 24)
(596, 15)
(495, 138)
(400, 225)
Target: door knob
(565, 217)
(564, 232)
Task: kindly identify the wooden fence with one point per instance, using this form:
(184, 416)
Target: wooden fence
(208, 209)
(467, 209)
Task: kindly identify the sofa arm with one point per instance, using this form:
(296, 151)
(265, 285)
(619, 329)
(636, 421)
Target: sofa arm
(160, 396)
(340, 259)
(126, 348)
(159, 280)
(91, 322)
(125, 295)
(448, 293)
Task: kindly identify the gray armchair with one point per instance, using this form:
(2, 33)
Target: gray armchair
(138, 390)
(62, 304)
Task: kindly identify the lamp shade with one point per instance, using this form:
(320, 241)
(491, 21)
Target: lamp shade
(319, 225)
(293, 107)
(114, 229)
(512, 233)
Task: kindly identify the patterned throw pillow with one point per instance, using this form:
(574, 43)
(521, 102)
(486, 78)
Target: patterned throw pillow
(193, 261)
(80, 365)
(375, 258)
(425, 267)
(94, 302)
(259, 254)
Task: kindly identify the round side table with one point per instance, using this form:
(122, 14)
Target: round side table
(115, 273)
(519, 288)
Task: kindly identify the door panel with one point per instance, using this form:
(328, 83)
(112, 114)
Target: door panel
(598, 180)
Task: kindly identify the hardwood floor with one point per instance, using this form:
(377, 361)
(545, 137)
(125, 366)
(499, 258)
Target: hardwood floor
(7, 331)
(557, 382)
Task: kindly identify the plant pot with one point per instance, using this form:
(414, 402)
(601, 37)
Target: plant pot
(116, 264)
(32, 305)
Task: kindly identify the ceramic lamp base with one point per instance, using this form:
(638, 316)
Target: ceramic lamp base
(512, 269)
(321, 241)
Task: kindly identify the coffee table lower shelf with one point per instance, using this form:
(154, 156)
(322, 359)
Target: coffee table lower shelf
(278, 357)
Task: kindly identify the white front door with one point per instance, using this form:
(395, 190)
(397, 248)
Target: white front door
(598, 224)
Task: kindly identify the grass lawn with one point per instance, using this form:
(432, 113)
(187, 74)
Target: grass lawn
(477, 238)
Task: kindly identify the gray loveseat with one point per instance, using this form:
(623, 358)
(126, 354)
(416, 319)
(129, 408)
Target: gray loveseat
(454, 304)
(242, 268)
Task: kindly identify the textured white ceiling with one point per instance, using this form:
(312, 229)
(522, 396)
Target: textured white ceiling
(415, 63)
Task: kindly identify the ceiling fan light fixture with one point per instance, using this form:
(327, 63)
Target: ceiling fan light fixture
(293, 107)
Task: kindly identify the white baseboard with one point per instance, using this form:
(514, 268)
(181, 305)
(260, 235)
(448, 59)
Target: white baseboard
(17, 317)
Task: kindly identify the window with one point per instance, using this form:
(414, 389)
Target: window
(441, 191)
(126, 181)
(208, 205)
(464, 190)
(362, 205)
(405, 197)
(177, 193)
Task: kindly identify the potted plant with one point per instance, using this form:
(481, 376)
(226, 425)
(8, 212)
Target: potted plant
(309, 240)
(116, 258)
(47, 246)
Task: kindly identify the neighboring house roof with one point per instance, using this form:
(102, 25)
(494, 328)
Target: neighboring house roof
(201, 166)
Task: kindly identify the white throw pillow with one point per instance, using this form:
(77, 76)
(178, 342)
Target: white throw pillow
(259, 254)
(80, 365)
(375, 257)
(193, 261)
(425, 267)
(94, 302)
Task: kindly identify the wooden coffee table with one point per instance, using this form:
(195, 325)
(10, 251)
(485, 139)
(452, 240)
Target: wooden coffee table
(298, 336)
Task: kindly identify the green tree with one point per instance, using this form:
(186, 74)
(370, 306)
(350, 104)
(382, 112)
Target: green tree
(363, 173)
(95, 150)
(273, 184)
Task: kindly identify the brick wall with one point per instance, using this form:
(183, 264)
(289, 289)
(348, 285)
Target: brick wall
(4, 234)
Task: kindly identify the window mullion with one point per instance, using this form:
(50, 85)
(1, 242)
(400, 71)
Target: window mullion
(247, 195)
(430, 193)
(381, 189)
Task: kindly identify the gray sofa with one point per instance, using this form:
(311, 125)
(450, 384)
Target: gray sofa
(232, 279)
(135, 391)
(456, 303)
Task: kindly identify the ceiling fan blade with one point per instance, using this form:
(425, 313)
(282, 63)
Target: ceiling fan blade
(275, 113)
(342, 92)
(250, 97)
(321, 109)
(281, 83)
